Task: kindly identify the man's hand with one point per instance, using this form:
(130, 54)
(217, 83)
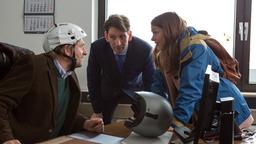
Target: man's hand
(14, 141)
(97, 115)
(94, 125)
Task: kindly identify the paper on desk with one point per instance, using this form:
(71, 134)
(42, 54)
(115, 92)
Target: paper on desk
(134, 138)
(98, 138)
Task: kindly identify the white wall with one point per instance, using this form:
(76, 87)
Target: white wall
(80, 12)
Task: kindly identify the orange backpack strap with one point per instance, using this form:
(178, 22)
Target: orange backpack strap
(229, 64)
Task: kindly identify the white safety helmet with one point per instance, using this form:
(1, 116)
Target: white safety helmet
(152, 114)
(62, 33)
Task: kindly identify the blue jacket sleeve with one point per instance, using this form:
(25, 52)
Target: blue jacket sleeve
(191, 83)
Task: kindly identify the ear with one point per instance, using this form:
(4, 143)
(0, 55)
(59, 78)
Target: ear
(67, 50)
(106, 36)
(129, 35)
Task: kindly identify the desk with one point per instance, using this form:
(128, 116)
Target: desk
(115, 129)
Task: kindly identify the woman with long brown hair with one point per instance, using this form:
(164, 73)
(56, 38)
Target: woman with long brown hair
(184, 67)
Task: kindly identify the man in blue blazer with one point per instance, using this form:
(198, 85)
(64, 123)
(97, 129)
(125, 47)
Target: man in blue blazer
(117, 61)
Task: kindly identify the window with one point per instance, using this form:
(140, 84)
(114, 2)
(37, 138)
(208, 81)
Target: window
(220, 18)
(218, 23)
(252, 67)
(244, 47)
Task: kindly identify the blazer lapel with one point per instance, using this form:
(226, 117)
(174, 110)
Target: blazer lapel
(53, 84)
(111, 66)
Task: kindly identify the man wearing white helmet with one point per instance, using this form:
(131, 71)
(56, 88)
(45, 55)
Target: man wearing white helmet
(40, 95)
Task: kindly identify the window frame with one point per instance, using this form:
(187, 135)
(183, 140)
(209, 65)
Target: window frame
(242, 48)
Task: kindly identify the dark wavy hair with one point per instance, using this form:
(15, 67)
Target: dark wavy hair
(120, 22)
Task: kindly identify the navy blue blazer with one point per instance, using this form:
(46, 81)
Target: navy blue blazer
(104, 79)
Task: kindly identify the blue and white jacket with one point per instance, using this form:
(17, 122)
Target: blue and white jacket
(191, 75)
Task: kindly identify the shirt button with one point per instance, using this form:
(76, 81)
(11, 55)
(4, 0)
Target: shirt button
(50, 130)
